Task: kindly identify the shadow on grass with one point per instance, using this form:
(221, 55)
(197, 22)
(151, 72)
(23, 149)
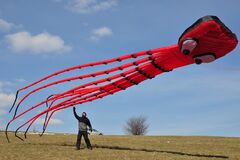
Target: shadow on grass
(138, 149)
(160, 151)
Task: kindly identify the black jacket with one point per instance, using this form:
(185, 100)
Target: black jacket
(82, 119)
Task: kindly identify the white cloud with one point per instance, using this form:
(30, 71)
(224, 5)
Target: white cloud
(6, 101)
(5, 84)
(100, 33)
(42, 43)
(6, 26)
(53, 121)
(90, 6)
(6, 97)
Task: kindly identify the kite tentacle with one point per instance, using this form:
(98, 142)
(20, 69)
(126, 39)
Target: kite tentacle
(15, 117)
(83, 77)
(45, 116)
(96, 95)
(119, 59)
(91, 97)
(153, 58)
(105, 62)
(142, 71)
(31, 121)
(72, 90)
(151, 61)
(112, 91)
(15, 100)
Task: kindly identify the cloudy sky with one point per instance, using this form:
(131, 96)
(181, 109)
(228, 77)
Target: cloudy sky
(40, 37)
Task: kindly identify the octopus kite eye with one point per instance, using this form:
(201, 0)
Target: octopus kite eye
(188, 46)
(204, 58)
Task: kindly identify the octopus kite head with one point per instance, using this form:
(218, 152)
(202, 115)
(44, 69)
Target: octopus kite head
(207, 40)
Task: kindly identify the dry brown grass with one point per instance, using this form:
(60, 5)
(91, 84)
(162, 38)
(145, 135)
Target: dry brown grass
(62, 147)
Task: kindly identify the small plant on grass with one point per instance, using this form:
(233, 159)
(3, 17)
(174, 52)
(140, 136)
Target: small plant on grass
(136, 126)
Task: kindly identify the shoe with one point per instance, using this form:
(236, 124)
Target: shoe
(90, 147)
(77, 148)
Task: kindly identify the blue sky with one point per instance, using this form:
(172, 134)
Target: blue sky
(40, 37)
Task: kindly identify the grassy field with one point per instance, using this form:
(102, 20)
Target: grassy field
(62, 147)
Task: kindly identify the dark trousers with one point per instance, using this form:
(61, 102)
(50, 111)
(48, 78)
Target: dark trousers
(85, 136)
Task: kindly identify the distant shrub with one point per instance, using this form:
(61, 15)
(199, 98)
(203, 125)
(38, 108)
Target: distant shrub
(136, 125)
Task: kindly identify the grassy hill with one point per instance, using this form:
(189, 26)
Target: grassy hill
(62, 147)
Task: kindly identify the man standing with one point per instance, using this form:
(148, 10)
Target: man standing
(83, 123)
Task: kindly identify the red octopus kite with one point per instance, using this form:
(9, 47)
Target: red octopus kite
(205, 41)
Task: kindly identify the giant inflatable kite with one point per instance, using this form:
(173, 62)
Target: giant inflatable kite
(205, 41)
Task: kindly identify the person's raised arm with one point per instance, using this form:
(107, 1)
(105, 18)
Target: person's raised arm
(75, 114)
